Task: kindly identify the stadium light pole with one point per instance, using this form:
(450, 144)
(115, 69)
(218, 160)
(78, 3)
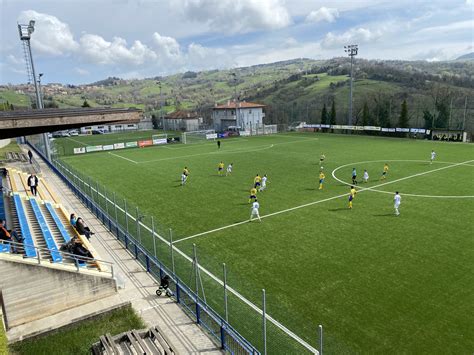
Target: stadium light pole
(25, 32)
(161, 106)
(236, 101)
(351, 51)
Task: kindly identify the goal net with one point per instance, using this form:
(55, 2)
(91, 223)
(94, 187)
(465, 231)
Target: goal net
(199, 136)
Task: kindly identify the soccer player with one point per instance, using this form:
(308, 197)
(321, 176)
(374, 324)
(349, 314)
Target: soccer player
(384, 172)
(186, 171)
(321, 179)
(321, 159)
(433, 156)
(354, 176)
(264, 183)
(254, 211)
(397, 200)
(366, 176)
(253, 194)
(184, 178)
(352, 196)
(229, 169)
(257, 181)
(220, 168)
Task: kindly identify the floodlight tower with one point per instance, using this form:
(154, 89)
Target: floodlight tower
(351, 51)
(25, 32)
(161, 106)
(236, 102)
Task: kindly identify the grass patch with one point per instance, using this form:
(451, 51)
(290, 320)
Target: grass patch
(78, 338)
(378, 283)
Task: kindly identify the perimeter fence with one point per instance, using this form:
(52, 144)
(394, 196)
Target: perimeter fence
(233, 321)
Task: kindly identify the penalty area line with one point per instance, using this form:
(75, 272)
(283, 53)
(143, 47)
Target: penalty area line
(121, 157)
(319, 201)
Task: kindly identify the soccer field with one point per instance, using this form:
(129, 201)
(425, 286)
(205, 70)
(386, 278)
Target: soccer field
(378, 283)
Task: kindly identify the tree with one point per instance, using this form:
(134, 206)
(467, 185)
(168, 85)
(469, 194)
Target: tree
(429, 118)
(365, 115)
(154, 121)
(324, 115)
(333, 113)
(403, 122)
(85, 104)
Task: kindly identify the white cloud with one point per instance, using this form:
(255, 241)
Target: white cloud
(324, 14)
(81, 71)
(97, 50)
(353, 36)
(238, 16)
(51, 36)
(207, 58)
(166, 46)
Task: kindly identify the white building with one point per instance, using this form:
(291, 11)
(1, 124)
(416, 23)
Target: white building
(245, 115)
(109, 128)
(182, 121)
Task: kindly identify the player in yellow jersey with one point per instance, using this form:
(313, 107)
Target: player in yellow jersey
(185, 171)
(321, 179)
(220, 168)
(253, 194)
(384, 172)
(352, 196)
(257, 181)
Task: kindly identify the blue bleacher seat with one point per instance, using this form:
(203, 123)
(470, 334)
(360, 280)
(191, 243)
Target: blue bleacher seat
(2, 205)
(48, 237)
(57, 221)
(30, 251)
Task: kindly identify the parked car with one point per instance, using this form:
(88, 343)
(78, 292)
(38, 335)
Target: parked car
(97, 131)
(73, 133)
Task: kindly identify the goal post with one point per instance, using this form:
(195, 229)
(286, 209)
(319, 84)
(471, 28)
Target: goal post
(199, 136)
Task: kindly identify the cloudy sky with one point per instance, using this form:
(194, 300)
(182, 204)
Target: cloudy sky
(80, 41)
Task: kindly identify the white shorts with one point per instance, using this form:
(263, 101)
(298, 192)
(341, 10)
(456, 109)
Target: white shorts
(396, 205)
(255, 212)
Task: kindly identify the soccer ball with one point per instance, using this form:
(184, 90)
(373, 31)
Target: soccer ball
(322, 168)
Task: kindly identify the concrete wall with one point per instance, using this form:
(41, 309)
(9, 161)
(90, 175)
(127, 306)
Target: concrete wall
(31, 292)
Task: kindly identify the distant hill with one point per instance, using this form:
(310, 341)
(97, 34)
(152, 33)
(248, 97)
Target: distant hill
(293, 90)
(468, 56)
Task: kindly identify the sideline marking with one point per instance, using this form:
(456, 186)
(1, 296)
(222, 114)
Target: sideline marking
(75, 140)
(279, 325)
(119, 156)
(404, 194)
(319, 201)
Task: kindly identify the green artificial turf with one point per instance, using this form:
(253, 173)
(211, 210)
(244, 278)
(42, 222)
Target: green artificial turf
(376, 282)
(78, 338)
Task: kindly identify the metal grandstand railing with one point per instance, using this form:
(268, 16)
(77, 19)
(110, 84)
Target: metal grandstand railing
(252, 329)
(81, 263)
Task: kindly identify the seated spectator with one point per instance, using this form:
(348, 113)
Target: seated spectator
(73, 220)
(80, 250)
(9, 235)
(82, 228)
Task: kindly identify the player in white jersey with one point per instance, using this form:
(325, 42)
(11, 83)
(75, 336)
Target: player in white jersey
(397, 200)
(184, 178)
(254, 211)
(366, 176)
(229, 169)
(433, 156)
(264, 183)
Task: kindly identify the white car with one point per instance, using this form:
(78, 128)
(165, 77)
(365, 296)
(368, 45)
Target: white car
(73, 133)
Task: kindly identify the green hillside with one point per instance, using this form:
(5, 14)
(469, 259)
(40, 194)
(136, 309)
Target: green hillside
(296, 90)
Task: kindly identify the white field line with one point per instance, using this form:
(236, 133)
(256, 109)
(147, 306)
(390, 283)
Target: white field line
(119, 156)
(319, 201)
(404, 194)
(75, 140)
(212, 276)
(216, 152)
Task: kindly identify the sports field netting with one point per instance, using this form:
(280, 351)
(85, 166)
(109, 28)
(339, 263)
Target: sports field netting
(378, 283)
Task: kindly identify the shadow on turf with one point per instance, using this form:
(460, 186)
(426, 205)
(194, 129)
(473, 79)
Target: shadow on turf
(339, 209)
(384, 215)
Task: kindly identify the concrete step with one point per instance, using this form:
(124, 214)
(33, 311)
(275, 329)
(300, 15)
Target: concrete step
(45, 291)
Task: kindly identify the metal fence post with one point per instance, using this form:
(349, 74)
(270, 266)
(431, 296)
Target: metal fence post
(139, 237)
(320, 339)
(97, 192)
(171, 252)
(116, 216)
(226, 312)
(153, 234)
(126, 214)
(264, 321)
(196, 271)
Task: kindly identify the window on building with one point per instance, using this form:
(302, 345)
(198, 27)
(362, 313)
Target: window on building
(131, 125)
(232, 112)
